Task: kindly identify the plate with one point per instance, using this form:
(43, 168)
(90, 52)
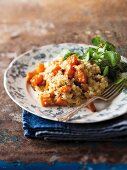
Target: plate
(22, 94)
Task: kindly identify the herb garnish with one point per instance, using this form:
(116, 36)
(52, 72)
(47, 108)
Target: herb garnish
(104, 54)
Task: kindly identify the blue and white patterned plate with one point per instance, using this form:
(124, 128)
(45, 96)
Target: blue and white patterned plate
(22, 94)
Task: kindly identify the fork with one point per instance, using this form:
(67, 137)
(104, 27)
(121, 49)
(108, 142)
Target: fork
(107, 95)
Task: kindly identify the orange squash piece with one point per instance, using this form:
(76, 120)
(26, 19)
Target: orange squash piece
(66, 89)
(80, 76)
(56, 69)
(61, 102)
(46, 100)
(70, 71)
(73, 60)
(36, 80)
(40, 68)
(91, 107)
(30, 75)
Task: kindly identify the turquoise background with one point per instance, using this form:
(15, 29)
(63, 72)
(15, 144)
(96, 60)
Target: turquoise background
(60, 166)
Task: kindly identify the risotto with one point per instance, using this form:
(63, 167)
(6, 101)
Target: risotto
(67, 82)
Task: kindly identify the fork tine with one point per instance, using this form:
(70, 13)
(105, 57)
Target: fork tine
(115, 90)
(110, 92)
(116, 93)
(109, 88)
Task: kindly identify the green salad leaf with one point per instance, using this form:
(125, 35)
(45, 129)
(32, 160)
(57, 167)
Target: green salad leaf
(66, 53)
(104, 54)
(113, 58)
(106, 70)
(97, 41)
(100, 42)
(122, 78)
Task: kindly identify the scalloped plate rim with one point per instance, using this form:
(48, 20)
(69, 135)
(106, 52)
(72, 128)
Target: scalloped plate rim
(17, 102)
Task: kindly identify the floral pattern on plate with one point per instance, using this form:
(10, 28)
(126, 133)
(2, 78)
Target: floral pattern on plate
(21, 93)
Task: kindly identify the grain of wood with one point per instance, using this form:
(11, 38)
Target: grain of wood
(26, 24)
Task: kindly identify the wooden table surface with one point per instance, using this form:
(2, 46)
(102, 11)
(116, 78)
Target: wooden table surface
(27, 24)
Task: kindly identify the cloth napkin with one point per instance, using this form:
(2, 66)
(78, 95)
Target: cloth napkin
(37, 127)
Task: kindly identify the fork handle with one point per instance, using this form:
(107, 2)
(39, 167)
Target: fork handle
(70, 114)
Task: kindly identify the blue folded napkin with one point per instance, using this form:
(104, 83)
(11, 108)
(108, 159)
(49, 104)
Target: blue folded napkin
(37, 127)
